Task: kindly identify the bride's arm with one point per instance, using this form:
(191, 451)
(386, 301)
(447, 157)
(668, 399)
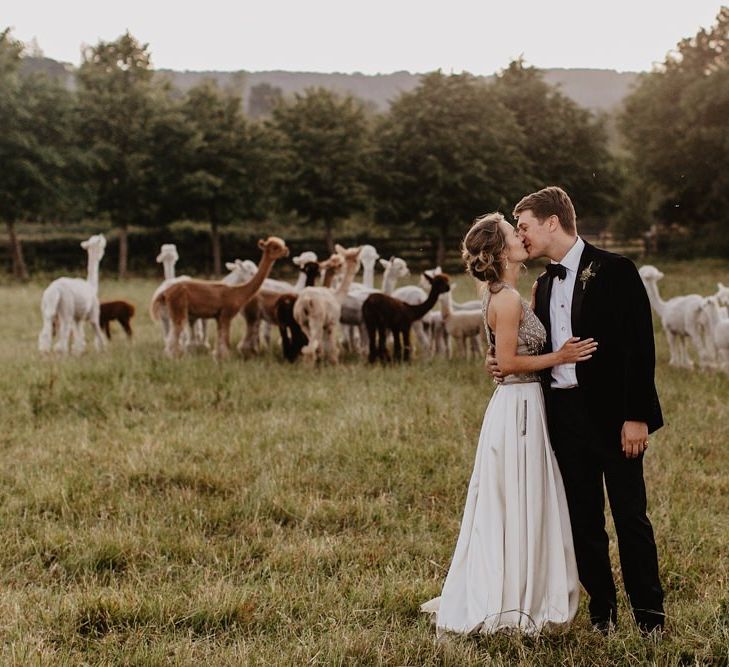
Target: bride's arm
(506, 312)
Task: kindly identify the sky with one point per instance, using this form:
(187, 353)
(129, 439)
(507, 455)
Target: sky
(376, 36)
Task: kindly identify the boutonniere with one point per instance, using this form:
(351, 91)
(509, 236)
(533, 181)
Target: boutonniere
(588, 273)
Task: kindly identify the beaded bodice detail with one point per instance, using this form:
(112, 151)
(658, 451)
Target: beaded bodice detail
(531, 336)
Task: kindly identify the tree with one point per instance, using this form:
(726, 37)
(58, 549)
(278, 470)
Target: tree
(676, 129)
(35, 146)
(264, 99)
(117, 103)
(322, 140)
(446, 152)
(564, 143)
(226, 163)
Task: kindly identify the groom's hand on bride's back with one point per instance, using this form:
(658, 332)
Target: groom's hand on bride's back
(492, 368)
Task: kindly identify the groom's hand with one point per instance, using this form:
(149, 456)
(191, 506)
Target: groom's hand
(492, 368)
(634, 439)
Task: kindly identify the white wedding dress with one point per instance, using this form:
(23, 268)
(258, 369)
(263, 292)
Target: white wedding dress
(514, 563)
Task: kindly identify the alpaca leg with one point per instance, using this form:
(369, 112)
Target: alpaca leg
(223, 336)
(382, 347)
(267, 334)
(64, 334)
(331, 343)
(106, 328)
(250, 341)
(45, 338)
(172, 344)
(397, 349)
(127, 327)
(99, 340)
(406, 343)
(364, 342)
(421, 336)
(79, 337)
(672, 348)
(372, 336)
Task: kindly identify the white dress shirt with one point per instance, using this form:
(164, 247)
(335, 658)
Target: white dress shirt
(560, 314)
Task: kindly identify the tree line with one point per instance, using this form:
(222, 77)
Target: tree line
(127, 147)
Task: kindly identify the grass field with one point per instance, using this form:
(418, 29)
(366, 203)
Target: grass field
(252, 512)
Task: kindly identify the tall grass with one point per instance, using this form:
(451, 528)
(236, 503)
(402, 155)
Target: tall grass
(253, 512)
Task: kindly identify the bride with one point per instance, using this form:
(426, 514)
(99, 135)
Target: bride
(514, 563)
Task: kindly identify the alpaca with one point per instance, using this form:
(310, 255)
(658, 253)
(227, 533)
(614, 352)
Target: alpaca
(121, 311)
(168, 257)
(719, 330)
(395, 268)
(679, 317)
(68, 302)
(414, 295)
(318, 309)
(262, 308)
(462, 325)
(293, 339)
(203, 299)
(242, 271)
(383, 313)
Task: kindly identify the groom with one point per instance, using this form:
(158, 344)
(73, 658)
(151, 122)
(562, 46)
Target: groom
(600, 412)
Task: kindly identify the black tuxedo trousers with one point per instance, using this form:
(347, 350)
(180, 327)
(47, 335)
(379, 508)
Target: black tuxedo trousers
(587, 456)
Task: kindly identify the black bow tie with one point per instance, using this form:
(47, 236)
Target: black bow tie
(556, 271)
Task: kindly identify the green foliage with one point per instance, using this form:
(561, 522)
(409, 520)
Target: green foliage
(564, 143)
(263, 100)
(676, 128)
(445, 152)
(322, 142)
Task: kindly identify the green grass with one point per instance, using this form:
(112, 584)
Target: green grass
(252, 512)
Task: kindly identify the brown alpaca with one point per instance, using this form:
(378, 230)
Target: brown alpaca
(192, 299)
(293, 339)
(262, 308)
(121, 311)
(382, 313)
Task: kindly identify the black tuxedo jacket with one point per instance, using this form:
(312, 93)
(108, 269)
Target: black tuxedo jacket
(612, 307)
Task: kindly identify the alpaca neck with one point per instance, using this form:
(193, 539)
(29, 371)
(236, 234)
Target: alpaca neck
(714, 313)
(169, 268)
(389, 280)
(422, 308)
(329, 274)
(246, 290)
(446, 305)
(368, 275)
(659, 305)
(310, 279)
(343, 289)
(92, 271)
(302, 281)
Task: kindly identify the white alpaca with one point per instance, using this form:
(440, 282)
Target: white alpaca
(395, 268)
(463, 326)
(317, 311)
(168, 257)
(68, 302)
(680, 320)
(719, 330)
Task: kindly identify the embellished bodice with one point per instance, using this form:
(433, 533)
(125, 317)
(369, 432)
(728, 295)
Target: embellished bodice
(531, 336)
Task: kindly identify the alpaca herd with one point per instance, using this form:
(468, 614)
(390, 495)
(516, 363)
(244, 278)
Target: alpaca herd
(316, 322)
(692, 321)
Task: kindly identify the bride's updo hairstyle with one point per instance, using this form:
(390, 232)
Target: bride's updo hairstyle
(484, 248)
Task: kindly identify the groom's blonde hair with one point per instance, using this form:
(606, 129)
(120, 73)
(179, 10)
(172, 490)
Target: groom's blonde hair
(550, 201)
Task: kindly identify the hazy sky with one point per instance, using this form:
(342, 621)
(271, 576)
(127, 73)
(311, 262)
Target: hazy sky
(372, 36)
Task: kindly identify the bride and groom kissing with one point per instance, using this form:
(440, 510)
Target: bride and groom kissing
(574, 404)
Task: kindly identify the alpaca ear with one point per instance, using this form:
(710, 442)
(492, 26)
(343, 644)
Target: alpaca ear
(261, 244)
(385, 264)
(84, 244)
(437, 271)
(339, 249)
(428, 278)
(231, 266)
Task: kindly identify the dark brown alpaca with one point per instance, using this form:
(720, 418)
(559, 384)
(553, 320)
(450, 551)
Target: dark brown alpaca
(262, 308)
(382, 313)
(121, 311)
(293, 339)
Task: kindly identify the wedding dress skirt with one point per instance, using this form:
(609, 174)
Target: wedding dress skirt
(514, 563)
